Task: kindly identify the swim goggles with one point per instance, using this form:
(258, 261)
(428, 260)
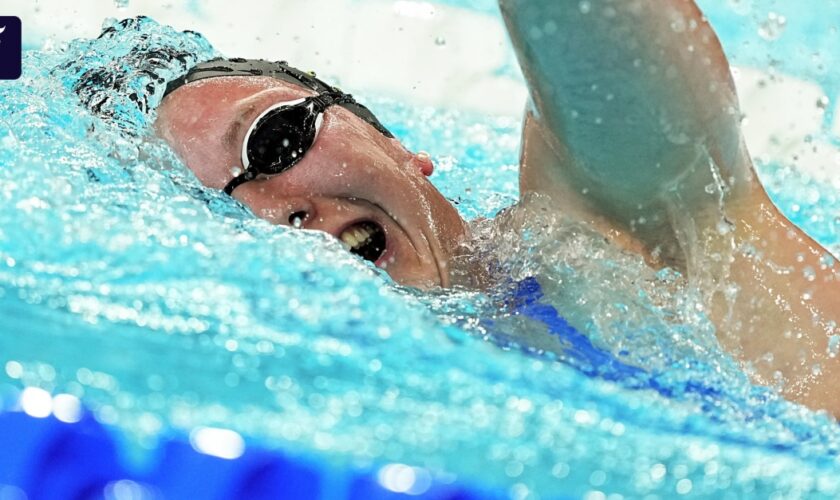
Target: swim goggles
(281, 135)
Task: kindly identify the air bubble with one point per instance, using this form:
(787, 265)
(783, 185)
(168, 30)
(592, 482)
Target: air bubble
(585, 7)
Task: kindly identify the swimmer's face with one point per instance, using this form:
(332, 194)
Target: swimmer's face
(353, 181)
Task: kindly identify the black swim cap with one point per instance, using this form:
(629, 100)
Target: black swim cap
(279, 70)
(121, 75)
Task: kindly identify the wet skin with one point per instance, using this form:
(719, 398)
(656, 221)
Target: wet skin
(352, 173)
(586, 161)
(634, 116)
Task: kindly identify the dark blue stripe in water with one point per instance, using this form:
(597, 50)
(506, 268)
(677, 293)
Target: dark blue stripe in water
(48, 459)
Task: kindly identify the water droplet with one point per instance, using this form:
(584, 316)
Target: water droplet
(724, 227)
(773, 27)
(440, 41)
(585, 7)
(121, 4)
(809, 273)
(833, 346)
(823, 102)
(740, 7)
(235, 170)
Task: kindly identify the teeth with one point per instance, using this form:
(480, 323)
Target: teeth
(365, 239)
(355, 236)
(362, 234)
(349, 238)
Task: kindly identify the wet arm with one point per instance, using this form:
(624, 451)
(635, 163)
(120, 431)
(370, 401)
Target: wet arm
(632, 101)
(634, 96)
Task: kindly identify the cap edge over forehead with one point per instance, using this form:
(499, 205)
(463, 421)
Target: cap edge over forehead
(279, 70)
(248, 67)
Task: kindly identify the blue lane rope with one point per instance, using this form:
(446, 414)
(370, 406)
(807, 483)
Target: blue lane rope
(47, 459)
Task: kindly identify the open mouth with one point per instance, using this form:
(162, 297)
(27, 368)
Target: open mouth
(365, 239)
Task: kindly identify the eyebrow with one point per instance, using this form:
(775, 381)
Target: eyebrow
(231, 135)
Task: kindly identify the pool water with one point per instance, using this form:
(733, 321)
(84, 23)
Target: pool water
(164, 306)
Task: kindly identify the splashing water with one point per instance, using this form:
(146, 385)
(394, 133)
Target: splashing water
(165, 306)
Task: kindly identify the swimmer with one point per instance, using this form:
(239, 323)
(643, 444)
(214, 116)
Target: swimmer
(633, 127)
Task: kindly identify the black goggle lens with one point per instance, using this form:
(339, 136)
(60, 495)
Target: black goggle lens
(281, 138)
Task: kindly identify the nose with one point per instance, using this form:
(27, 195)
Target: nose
(296, 212)
(285, 211)
(298, 218)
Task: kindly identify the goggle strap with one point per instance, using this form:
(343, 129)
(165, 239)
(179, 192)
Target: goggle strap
(247, 175)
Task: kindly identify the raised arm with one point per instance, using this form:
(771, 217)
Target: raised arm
(634, 96)
(634, 122)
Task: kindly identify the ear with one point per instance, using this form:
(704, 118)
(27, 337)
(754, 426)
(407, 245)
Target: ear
(423, 161)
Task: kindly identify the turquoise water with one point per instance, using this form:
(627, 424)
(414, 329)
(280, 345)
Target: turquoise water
(164, 306)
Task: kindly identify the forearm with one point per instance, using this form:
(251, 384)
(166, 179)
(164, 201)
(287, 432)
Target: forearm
(639, 89)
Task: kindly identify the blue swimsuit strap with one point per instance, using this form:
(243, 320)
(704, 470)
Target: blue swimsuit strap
(585, 356)
(577, 347)
(593, 361)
